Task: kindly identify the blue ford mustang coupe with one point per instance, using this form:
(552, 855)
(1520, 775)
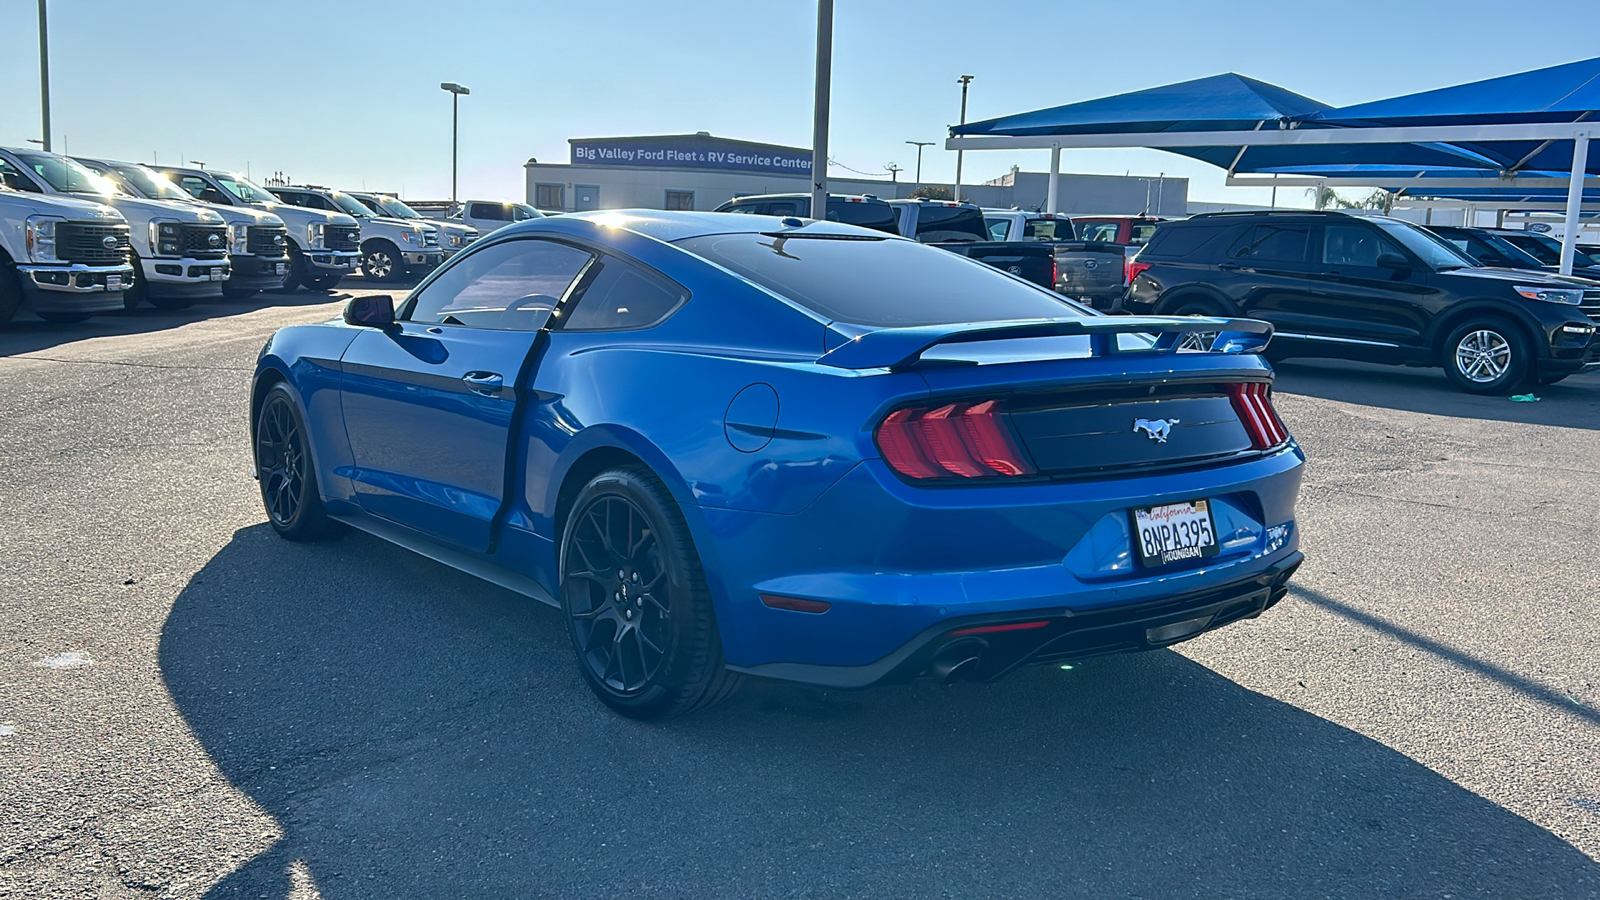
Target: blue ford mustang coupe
(729, 445)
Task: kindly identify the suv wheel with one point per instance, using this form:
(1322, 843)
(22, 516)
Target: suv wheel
(1487, 356)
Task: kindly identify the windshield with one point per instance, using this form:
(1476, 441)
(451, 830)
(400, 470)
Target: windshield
(878, 281)
(1548, 250)
(351, 205)
(522, 211)
(390, 206)
(1432, 250)
(68, 175)
(245, 189)
(149, 183)
(1518, 257)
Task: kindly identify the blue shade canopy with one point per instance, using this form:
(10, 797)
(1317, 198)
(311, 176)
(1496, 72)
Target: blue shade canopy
(1226, 102)
(1564, 93)
(1269, 158)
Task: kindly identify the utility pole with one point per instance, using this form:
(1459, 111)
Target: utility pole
(456, 91)
(894, 173)
(919, 145)
(965, 80)
(819, 118)
(44, 73)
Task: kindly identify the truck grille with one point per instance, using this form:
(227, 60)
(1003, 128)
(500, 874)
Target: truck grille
(203, 241)
(343, 237)
(430, 239)
(85, 244)
(1591, 305)
(267, 240)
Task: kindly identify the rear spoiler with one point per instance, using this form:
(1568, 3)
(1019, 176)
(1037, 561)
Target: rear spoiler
(899, 348)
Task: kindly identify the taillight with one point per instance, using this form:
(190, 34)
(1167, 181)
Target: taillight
(1134, 268)
(953, 440)
(1252, 401)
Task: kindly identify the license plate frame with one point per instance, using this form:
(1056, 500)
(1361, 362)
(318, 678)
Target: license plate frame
(1193, 533)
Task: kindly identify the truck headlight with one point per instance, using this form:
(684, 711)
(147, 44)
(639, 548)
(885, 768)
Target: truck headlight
(41, 239)
(238, 239)
(1569, 296)
(164, 238)
(411, 237)
(315, 235)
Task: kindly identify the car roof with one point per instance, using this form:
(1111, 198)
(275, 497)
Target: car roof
(797, 196)
(676, 225)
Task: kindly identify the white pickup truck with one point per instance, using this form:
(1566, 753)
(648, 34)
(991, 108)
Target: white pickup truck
(323, 246)
(391, 249)
(179, 250)
(1021, 225)
(453, 236)
(487, 215)
(64, 258)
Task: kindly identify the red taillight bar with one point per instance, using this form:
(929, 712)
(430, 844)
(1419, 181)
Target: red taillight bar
(1134, 268)
(1009, 626)
(954, 440)
(1252, 401)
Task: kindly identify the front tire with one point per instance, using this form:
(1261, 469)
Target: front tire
(10, 290)
(286, 470)
(324, 282)
(635, 599)
(382, 262)
(1487, 356)
(296, 273)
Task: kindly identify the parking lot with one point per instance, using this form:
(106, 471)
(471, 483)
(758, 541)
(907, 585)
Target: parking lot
(192, 706)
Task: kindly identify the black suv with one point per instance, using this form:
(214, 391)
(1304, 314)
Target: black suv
(1371, 288)
(861, 209)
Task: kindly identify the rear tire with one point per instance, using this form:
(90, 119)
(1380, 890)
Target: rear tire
(287, 472)
(1487, 356)
(635, 599)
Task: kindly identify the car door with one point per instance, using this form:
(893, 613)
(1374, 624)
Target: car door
(1265, 271)
(1369, 308)
(429, 404)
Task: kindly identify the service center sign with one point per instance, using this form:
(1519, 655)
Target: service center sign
(691, 152)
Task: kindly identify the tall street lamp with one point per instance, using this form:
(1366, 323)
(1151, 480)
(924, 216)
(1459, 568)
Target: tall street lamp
(965, 80)
(44, 75)
(456, 91)
(919, 145)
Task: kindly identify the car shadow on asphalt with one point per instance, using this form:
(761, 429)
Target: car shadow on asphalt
(29, 334)
(1572, 403)
(416, 732)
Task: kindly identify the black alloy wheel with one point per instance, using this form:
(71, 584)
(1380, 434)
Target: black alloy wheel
(288, 478)
(637, 608)
(382, 262)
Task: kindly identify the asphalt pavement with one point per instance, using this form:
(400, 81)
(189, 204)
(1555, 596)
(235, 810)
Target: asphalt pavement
(191, 707)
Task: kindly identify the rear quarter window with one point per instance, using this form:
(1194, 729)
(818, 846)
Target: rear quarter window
(950, 223)
(1184, 241)
(623, 297)
(877, 216)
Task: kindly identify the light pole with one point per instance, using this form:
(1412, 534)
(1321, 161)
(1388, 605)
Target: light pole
(919, 145)
(965, 80)
(44, 74)
(456, 91)
(819, 113)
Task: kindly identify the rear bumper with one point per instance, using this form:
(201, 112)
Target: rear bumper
(897, 564)
(962, 649)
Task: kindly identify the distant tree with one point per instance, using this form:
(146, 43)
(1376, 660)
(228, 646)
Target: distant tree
(1331, 199)
(931, 192)
(1380, 200)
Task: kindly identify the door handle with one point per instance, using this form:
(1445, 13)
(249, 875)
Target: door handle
(486, 383)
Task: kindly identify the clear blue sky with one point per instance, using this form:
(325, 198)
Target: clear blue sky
(348, 94)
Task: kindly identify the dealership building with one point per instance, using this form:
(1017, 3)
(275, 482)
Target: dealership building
(699, 171)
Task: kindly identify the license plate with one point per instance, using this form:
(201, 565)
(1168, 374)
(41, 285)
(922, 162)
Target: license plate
(282, 269)
(1174, 532)
(113, 282)
(216, 275)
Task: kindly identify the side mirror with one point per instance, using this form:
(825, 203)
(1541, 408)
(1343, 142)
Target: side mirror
(1393, 261)
(370, 312)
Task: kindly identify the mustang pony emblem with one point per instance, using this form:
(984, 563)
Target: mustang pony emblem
(1155, 429)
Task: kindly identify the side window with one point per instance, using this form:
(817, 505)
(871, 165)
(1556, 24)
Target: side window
(742, 208)
(1354, 245)
(14, 179)
(1272, 243)
(623, 297)
(1141, 234)
(783, 208)
(998, 228)
(1047, 230)
(511, 286)
(492, 211)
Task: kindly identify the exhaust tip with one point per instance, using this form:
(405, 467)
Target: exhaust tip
(956, 662)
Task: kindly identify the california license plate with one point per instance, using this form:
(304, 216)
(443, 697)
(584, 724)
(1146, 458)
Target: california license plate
(1174, 532)
(113, 282)
(216, 275)
(282, 269)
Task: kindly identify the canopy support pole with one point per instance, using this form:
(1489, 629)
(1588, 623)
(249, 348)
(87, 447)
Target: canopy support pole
(1052, 193)
(1580, 165)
